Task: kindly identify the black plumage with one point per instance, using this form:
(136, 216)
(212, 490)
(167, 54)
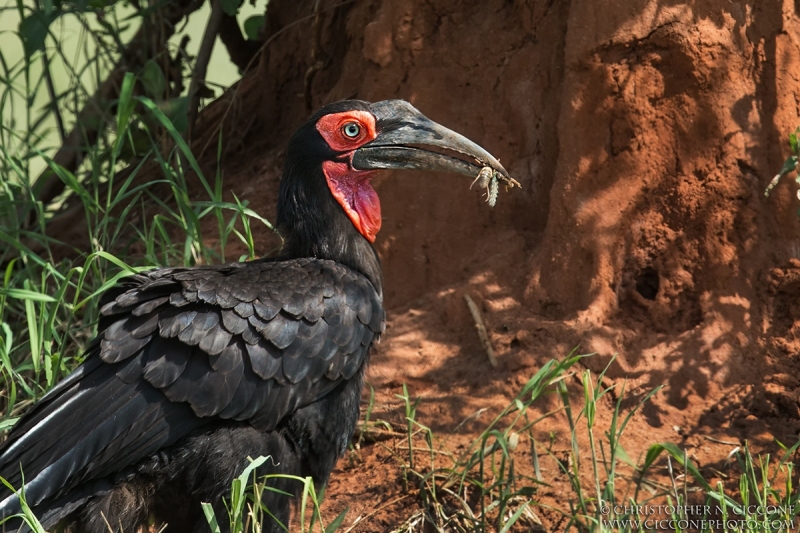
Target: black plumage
(194, 370)
(210, 374)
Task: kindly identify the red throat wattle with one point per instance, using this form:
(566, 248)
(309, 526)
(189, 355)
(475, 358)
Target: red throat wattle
(351, 187)
(353, 191)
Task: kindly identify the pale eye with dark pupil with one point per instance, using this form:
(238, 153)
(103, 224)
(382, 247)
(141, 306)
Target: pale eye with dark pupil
(352, 130)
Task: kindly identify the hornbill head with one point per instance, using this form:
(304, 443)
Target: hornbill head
(346, 143)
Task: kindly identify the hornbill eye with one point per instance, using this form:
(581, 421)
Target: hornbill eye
(352, 129)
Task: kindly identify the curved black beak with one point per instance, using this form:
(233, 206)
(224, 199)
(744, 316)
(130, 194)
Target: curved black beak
(403, 132)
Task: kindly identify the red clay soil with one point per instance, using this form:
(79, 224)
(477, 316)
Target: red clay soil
(644, 133)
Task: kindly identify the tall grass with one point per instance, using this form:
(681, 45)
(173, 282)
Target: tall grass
(51, 64)
(48, 301)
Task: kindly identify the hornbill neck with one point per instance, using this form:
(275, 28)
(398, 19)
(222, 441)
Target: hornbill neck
(313, 224)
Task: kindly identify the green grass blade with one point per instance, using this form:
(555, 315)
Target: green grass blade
(336, 523)
(211, 517)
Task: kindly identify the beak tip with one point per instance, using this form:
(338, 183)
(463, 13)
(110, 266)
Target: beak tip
(505, 177)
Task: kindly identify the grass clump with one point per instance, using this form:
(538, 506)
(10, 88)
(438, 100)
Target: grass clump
(246, 512)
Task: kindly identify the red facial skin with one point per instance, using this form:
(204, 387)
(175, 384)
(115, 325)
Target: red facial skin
(349, 186)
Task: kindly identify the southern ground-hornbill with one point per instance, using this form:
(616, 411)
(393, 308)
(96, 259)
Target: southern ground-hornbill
(194, 370)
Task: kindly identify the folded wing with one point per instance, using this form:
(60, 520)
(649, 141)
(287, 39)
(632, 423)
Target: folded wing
(182, 349)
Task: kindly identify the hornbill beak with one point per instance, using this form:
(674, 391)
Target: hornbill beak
(403, 132)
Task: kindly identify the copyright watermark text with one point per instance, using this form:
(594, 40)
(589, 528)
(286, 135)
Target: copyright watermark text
(699, 517)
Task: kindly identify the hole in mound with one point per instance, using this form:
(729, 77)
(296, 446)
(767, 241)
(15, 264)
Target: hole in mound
(647, 283)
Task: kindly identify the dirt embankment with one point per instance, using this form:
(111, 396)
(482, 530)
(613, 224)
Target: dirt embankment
(644, 133)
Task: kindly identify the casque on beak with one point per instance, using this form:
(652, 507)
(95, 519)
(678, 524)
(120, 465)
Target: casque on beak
(403, 132)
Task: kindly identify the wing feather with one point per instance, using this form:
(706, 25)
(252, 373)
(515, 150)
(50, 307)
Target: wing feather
(215, 340)
(166, 362)
(265, 358)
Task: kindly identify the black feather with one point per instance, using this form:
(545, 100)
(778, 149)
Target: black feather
(172, 322)
(229, 359)
(193, 375)
(315, 306)
(296, 368)
(244, 309)
(265, 359)
(114, 351)
(233, 322)
(215, 340)
(177, 299)
(250, 335)
(243, 397)
(295, 305)
(166, 362)
(334, 309)
(344, 331)
(282, 331)
(266, 308)
(329, 350)
(131, 369)
(149, 306)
